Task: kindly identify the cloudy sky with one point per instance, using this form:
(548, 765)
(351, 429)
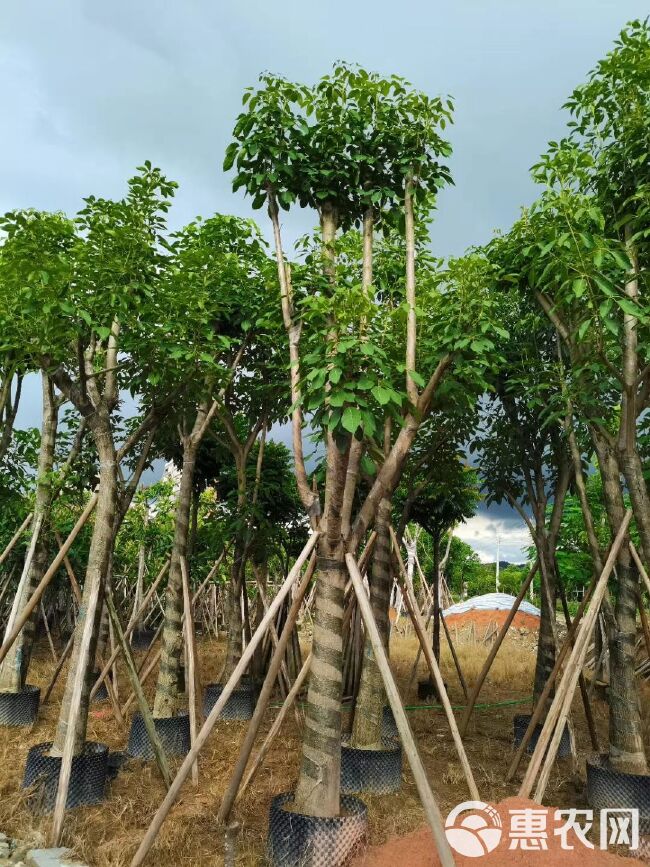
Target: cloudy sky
(91, 90)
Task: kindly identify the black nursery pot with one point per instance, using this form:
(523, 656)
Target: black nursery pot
(296, 840)
(20, 708)
(520, 724)
(607, 788)
(388, 725)
(240, 705)
(102, 692)
(142, 638)
(87, 779)
(374, 771)
(174, 734)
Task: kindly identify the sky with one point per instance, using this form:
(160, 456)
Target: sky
(91, 90)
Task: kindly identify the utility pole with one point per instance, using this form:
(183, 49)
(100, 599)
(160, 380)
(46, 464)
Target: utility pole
(498, 558)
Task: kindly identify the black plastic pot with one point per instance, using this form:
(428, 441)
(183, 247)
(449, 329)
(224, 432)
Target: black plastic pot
(142, 638)
(87, 779)
(102, 692)
(174, 734)
(240, 705)
(520, 724)
(607, 788)
(388, 724)
(20, 708)
(296, 840)
(374, 771)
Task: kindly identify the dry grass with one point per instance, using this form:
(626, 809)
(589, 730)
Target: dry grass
(107, 835)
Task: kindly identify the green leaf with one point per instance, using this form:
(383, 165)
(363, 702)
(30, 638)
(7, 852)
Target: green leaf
(579, 287)
(381, 395)
(351, 418)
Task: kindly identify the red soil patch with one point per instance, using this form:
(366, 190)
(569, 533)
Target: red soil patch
(418, 849)
(481, 620)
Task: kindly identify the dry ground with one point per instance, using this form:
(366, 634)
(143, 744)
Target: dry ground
(109, 834)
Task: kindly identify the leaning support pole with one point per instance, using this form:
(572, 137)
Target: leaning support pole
(554, 724)
(57, 670)
(454, 656)
(538, 710)
(263, 699)
(156, 745)
(487, 665)
(184, 770)
(16, 536)
(434, 671)
(190, 656)
(275, 728)
(429, 803)
(129, 629)
(36, 596)
(639, 565)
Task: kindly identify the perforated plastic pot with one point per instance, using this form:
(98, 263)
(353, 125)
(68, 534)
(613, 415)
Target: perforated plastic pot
(174, 734)
(87, 779)
(374, 771)
(102, 692)
(240, 705)
(20, 708)
(388, 724)
(296, 840)
(142, 638)
(520, 724)
(607, 787)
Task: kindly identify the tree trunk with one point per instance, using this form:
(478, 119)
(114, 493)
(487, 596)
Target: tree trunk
(366, 731)
(96, 571)
(13, 671)
(546, 642)
(626, 751)
(165, 702)
(317, 793)
(234, 609)
(436, 597)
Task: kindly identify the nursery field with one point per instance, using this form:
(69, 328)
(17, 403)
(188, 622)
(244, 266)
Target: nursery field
(108, 835)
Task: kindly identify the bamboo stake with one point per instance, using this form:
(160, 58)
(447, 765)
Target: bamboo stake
(263, 699)
(639, 565)
(208, 725)
(35, 598)
(156, 745)
(190, 659)
(13, 614)
(275, 728)
(16, 536)
(47, 632)
(57, 670)
(454, 655)
(129, 629)
(554, 724)
(427, 650)
(495, 649)
(548, 686)
(427, 797)
(83, 662)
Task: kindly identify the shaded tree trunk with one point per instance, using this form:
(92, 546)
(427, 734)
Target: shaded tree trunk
(234, 612)
(166, 700)
(436, 596)
(98, 562)
(13, 671)
(366, 730)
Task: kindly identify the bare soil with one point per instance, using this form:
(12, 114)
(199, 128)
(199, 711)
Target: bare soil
(108, 835)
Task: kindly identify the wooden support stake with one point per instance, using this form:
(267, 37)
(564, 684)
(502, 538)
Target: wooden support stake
(459, 670)
(639, 565)
(275, 728)
(36, 596)
(264, 696)
(487, 665)
(156, 745)
(16, 536)
(190, 659)
(555, 719)
(47, 632)
(538, 710)
(57, 670)
(431, 809)
(184, 770)
(434, 671)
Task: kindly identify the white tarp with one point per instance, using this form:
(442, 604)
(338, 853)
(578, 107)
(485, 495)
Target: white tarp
(490, 602)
